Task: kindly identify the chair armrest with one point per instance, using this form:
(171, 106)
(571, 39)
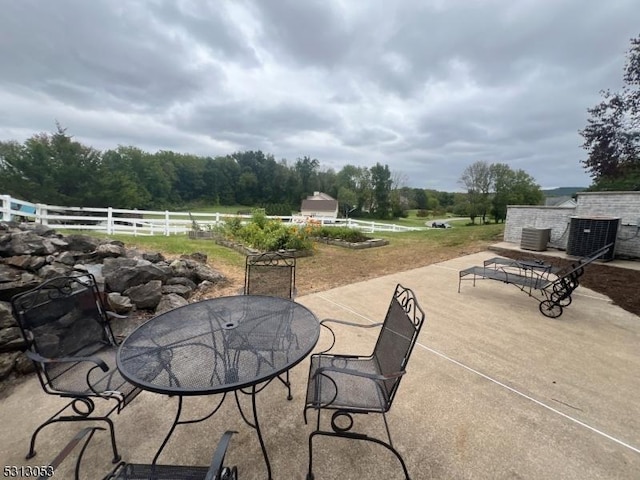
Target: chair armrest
(351, 324)
(77, 438)
(111, 315)
(218, 456)
(39, 358)
(357, 373)
(324, 322)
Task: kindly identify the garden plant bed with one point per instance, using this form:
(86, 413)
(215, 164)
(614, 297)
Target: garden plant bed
(373, 242)
(239, 247)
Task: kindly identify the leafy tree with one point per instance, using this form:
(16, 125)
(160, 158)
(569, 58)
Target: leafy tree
(491, 187)
(445, 199)
(18, 176)
(223, 174)
(347, 199)
(189, 183)
(419, 199)
(51, 168)
(381, 181)
(612, 134)
(328, 181)
(306, 167)
(358, 180)
(477, 180)
(155, 172)
(247, 189)
(258, 178)
(119, 186)
(512, 188)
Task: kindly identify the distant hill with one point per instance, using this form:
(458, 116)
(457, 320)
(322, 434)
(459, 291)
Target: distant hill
(562, 191)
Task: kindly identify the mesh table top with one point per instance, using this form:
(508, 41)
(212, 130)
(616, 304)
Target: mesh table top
(218, 345)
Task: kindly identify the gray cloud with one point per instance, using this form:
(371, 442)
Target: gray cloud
(427, 87)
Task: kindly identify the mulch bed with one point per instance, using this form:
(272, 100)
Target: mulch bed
(622, 285)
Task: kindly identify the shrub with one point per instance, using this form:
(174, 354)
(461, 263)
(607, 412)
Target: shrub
(232, 226)
(259, 217)
(342, 233)
(278, 209)
(422, 213)
(268, 235)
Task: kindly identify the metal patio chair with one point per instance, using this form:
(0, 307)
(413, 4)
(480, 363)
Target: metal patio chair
(134, 471)
(272, 274)
(70, 341)
(351, 385)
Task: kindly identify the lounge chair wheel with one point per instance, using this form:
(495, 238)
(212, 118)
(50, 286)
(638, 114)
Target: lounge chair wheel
(550, 309)
(563, 302)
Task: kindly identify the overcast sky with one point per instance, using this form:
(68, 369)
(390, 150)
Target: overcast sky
(425, 86)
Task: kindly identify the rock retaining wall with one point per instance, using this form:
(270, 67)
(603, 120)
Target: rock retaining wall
(132, 280)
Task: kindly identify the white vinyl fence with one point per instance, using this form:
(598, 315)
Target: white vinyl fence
(150, 222)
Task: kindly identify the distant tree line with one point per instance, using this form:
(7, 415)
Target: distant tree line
(53, 168)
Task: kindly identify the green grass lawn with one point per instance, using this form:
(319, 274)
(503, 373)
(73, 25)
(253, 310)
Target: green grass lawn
(449, 237)
(178, 245)
(181, 244)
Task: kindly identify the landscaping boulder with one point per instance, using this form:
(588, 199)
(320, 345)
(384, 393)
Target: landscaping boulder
(147, 295)
(127, 277)
(197, 256)
(169, 302)
(153, 257)
(7, 362)
(11, 339)
(9, 273)
(13, 281)
(82, 243)
(109, 250)
(24, 365)
(22, 262)
(119, 303)
(66, 258)
(54, 270)
(181, 290)
(25, 243)
(110, 265)
(6, 318)
(182, 281)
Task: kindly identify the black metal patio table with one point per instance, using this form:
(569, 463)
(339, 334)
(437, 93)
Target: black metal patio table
(226, 344)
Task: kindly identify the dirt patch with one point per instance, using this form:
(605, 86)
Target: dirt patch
(332, 267)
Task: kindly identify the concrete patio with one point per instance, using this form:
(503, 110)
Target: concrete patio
(493, 390)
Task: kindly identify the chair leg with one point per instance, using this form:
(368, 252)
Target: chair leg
(56, 419)
(355, 436)
(310, 470)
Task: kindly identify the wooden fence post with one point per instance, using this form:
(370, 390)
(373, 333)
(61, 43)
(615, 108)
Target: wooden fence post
(166, 223)
(6, 207)
(41, 214)
(109, 221)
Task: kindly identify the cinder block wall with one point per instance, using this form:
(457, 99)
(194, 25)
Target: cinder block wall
(525, 216)
(623, 205)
